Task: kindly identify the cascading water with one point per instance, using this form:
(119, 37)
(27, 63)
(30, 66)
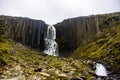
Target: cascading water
(100, 70)
(51, 47)
(102, 73)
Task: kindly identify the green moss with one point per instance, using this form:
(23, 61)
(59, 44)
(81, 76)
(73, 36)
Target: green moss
(3, 61)
(101, 41)
(4, 47)
(106, 49)
(2, 38)
(13, 54)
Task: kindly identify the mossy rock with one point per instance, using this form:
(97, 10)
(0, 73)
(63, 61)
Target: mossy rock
(2, 61)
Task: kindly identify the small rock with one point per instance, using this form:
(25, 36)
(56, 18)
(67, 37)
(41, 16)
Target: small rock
(70, 74)
(51, 71)
(32, 77)
(21, 77)
(17, 68)
(92, 78)
(60, 74)
(89, 62)
(38, 70)
(44, 74)
(83, 78)
(76, 79)
(44, 70)
(21, 72)
(15, 78)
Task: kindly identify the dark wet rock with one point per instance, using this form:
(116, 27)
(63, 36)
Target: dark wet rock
(38, 70)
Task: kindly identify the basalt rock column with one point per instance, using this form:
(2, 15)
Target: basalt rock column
(26, 31)
(71, 33)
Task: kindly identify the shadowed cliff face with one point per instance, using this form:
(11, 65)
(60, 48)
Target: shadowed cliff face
(27, 31)
(71, 33)
(74, 32)
(2, 30)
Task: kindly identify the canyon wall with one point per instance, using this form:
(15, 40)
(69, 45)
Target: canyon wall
(74, 32)
(27, 31)
(70, 33)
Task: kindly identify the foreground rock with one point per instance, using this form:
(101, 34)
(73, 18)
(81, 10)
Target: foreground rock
(23, 63)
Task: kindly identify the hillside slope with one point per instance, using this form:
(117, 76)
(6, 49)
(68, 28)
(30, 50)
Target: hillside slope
(104, 47)
(20, 62)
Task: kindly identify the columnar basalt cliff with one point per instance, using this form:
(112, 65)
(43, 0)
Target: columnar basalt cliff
(27, 31)
(2, 30)
(70, 34)
(73, 32)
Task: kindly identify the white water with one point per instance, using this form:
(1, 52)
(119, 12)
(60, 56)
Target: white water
(100, 70)
(51, 47)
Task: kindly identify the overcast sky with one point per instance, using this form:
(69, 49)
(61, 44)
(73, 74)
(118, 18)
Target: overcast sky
(53, 11)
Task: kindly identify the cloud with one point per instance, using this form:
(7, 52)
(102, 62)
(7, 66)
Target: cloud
(53, 11)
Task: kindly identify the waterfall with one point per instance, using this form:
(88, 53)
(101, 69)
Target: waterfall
(100, 70)
(51, 47)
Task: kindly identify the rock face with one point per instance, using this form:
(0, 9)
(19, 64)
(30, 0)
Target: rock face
(27, 31)
(71, 33)
(75, 32)
(2, 29)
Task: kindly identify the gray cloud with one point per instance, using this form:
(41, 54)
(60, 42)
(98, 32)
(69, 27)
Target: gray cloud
(53, 11)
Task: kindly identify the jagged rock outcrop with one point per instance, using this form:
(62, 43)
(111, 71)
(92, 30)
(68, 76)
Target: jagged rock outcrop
(27, 31)
(73, 32)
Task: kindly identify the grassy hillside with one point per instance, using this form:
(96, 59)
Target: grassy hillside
(20, 62)
(105, 47)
